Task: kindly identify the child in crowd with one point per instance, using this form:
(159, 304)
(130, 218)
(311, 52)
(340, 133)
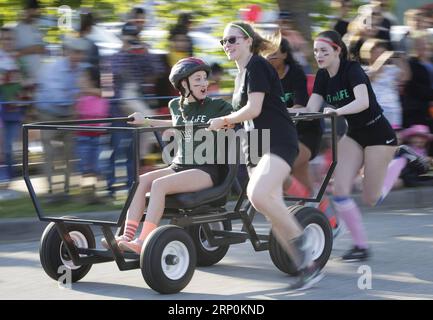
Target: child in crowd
(417, 137)
(215, 78)
(90, 105)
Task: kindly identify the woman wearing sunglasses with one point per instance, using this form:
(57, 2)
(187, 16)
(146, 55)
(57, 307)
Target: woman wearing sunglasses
(258, 104)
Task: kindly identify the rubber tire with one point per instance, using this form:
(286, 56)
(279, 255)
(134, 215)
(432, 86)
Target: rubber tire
(205, 257)
(50, 247)
(305, 216)
(151, 254)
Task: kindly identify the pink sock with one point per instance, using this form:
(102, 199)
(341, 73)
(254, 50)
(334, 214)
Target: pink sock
(148, 227)
(394, 170)
(130, 229)
(349, 212)
(297, 189)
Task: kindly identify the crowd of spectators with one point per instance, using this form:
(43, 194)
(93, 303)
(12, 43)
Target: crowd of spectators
(81, 84)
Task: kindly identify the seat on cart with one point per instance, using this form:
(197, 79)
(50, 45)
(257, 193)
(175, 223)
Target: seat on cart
(215, 196)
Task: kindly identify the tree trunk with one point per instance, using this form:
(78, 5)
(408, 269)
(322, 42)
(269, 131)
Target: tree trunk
(299, 9)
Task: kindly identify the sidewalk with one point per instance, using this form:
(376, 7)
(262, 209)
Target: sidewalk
(31, 229)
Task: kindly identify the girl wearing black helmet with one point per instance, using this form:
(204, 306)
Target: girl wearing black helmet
(189, 76)
(257, 99)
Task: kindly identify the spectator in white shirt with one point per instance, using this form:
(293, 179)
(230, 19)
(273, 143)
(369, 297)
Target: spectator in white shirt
(28, 40)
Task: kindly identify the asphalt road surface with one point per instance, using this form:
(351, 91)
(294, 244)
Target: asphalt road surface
(401, 268)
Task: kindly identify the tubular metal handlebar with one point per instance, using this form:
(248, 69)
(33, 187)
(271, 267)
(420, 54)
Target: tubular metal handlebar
(96, 121)
(74, 125)
(311, 115)
(67, 123)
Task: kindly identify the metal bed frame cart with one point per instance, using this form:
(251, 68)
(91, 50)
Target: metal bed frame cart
(199, 231)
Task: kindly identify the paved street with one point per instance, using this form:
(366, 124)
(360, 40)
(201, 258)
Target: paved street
(402, 242)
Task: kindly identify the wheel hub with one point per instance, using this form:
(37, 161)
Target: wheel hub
(175, 260)
(316, 237)
(213, 226)
(171, 260)
(80, 241)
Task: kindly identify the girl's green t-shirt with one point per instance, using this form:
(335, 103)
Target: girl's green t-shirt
(193, 145)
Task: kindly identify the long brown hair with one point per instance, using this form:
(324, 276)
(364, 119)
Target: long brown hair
(335, 37)
(182, 108)
(260, 44)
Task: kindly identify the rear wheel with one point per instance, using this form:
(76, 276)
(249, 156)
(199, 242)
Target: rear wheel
(208, 255)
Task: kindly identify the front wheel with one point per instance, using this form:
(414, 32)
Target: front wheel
(317, 230)
(53, 253)
(168, 259)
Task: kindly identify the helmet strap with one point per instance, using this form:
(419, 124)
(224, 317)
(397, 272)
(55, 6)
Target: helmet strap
(191, 94)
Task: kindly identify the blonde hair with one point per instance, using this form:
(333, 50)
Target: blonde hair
(368, 45)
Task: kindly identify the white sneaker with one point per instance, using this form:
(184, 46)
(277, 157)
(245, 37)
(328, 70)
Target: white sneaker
(309, 273)
(118, 239)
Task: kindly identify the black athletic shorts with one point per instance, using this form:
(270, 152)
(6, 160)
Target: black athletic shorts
(213, 170)
(310, 135)
(287, 151)
(377, 133)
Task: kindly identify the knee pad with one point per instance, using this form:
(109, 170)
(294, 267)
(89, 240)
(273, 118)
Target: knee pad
(340, 199)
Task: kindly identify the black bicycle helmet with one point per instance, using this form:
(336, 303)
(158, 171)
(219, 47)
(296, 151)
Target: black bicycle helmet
(184, 68)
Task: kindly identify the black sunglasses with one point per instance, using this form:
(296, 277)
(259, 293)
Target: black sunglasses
(231, 40)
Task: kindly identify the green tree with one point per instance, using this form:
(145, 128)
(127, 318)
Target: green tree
(107, 10)
(222, 10)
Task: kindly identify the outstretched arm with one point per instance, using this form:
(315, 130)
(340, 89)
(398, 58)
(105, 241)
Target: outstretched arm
(250, 111)
(140, 119)
(314, 104)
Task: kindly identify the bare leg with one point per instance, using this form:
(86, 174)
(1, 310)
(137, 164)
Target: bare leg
(301, 167)
(347, 169)
(302, 184)
(265, 193)
(138, 203)
(184, 181)
(377, 159)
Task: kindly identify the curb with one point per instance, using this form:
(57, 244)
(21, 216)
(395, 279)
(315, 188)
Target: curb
(31, 229)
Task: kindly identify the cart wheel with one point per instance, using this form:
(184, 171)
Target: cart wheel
(168, 259)
(53, 253)
(206, 254)
(318, 230)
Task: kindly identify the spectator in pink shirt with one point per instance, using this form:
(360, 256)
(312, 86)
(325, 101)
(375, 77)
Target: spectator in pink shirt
(90, 105)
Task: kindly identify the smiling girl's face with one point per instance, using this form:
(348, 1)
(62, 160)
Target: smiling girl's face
(198, 83)
(237, 44)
